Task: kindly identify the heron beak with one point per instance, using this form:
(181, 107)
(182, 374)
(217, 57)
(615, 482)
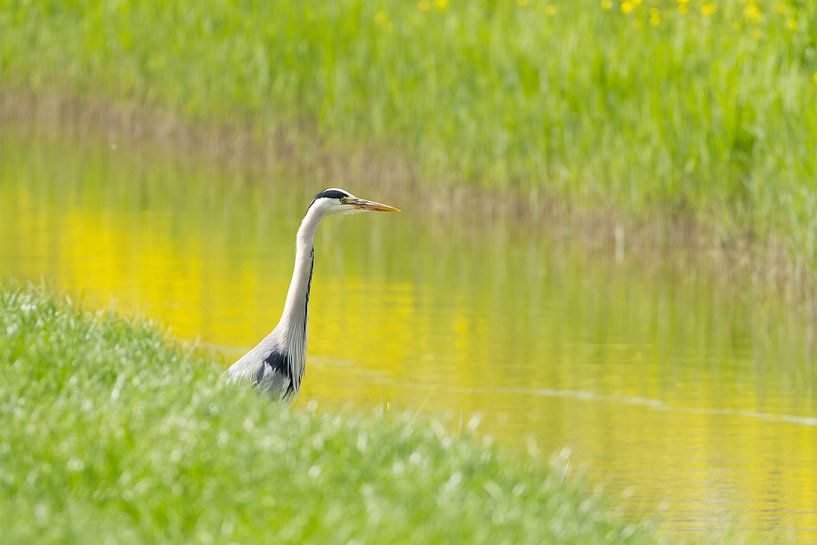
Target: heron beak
(370, 205)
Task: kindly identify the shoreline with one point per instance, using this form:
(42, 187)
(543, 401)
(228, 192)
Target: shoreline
(111, 433)
(649, 235)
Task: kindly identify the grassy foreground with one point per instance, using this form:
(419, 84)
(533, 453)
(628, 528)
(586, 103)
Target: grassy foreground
(113, 434)
(706, 108)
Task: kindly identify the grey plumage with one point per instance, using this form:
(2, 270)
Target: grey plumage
(276, 365)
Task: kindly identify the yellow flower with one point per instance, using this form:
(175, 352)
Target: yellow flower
(752, 13)
(791, 24)
(522, 3)
(682, 8)
(655, 16)
(550, 9)
(814, 78)
(441, 4)
(424, 5)
(606, 4)
(627, 6)
(707, 9)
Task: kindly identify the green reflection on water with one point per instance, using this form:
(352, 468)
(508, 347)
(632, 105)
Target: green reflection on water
(679, 392)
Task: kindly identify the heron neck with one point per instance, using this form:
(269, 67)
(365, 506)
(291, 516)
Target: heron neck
(294, 316)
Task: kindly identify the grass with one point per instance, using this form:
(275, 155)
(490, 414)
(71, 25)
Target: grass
(707, 109)
(111, 433)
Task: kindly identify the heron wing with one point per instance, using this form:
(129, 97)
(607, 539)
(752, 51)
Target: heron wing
(274, 375)
(268, 370)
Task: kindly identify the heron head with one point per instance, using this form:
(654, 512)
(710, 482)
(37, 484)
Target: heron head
(338, 201)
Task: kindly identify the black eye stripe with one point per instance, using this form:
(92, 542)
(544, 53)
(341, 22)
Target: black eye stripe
(332, 194)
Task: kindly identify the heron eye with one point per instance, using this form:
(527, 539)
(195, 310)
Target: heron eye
(344, 200)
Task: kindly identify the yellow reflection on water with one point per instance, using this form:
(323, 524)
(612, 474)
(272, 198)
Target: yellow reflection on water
(688, 401)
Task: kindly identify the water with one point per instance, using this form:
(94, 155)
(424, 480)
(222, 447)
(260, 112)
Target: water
(692, 402)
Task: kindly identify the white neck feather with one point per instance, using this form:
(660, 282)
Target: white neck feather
(293, 319)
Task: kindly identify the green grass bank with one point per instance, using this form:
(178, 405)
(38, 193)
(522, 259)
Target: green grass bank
(704, 109)
(111, 433)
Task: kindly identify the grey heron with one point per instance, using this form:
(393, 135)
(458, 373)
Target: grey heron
(276, 365)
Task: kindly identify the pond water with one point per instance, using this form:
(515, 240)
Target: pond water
(690, 401)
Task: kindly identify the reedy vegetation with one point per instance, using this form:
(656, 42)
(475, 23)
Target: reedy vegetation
(113, 433)
(702, 108)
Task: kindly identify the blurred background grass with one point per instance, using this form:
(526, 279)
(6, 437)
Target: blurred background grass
(693, 108)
